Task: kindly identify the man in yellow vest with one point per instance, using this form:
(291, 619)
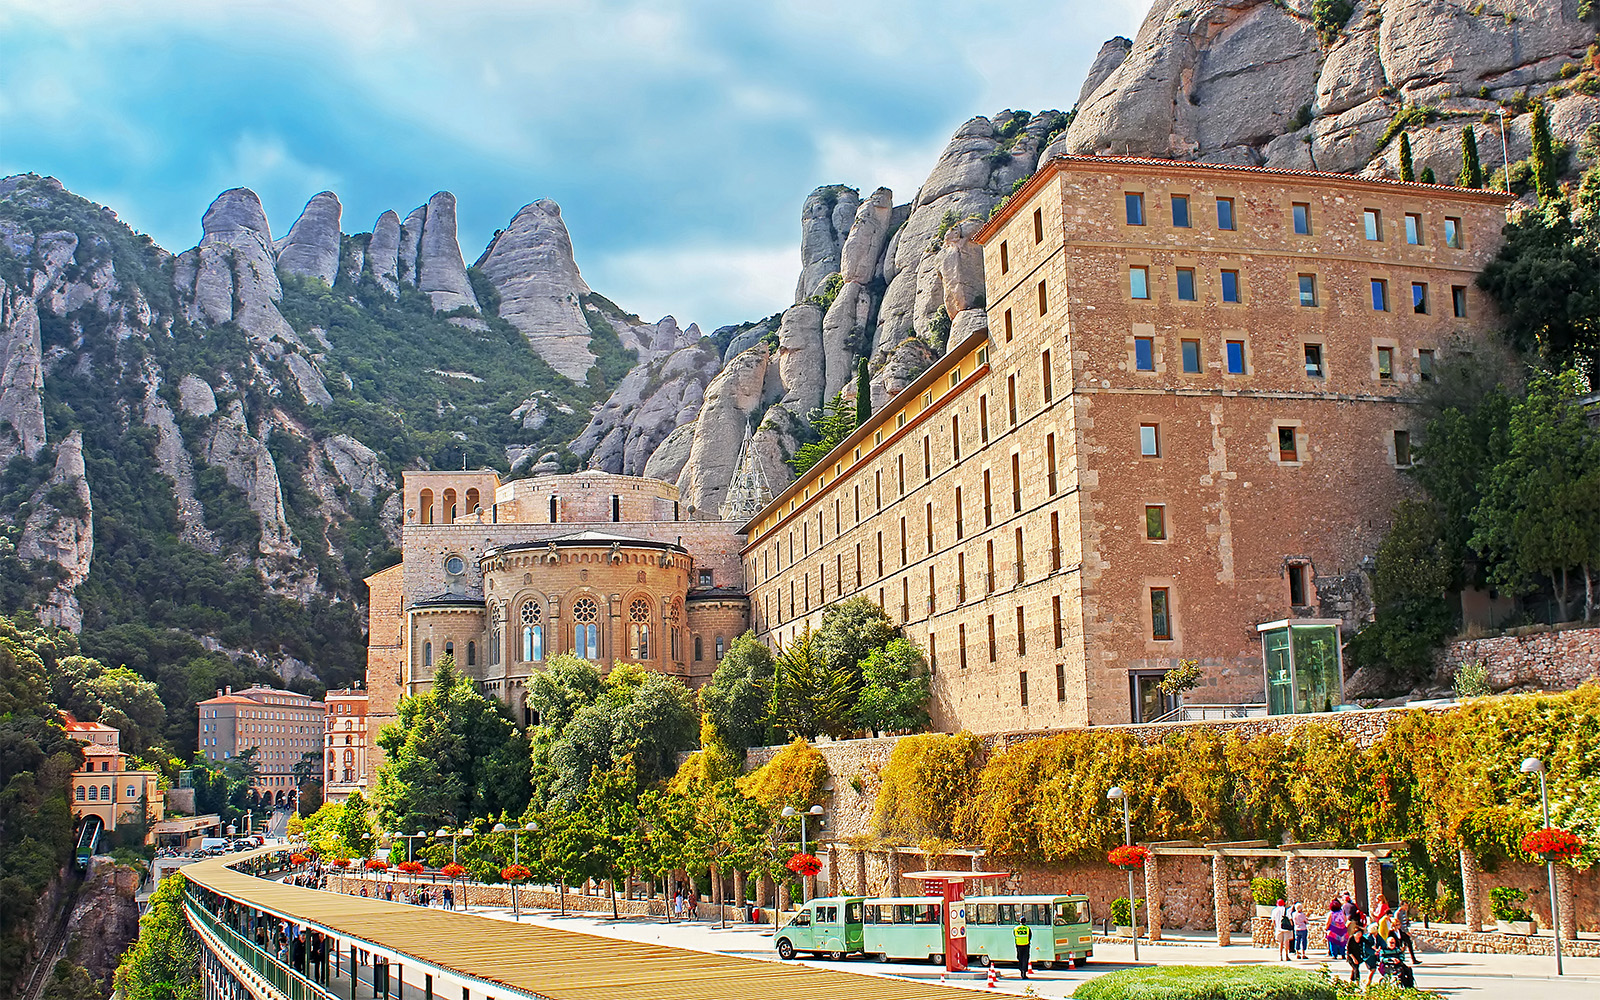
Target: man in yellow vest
(1024, 939)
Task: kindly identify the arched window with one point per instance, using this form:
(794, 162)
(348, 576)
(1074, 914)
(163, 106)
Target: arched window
(472, 654)
(473, 502)
(450, 651)
(427, 654)
(698, 652)
(532, 632)
(105, 793)
(450, 511)
(494, 647)
(94, 794)
(586, 628)
(639, 629)
(80, 793)
(719, 649)
(427, 506)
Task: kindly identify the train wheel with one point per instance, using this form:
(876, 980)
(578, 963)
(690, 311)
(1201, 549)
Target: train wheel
(936, 959)
(837, 956)
(785, 949)
(985, 961)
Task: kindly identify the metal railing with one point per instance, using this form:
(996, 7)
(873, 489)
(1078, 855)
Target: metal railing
(277, 974)
(1198, 713)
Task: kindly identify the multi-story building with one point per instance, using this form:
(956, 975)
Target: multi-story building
(501, 577)
(282, 727)
(345, 744)
(106, 786)
(1181, 438)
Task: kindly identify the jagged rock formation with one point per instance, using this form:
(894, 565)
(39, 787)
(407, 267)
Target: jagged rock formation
(383, 252)
(357, 466)
(60, 530)
(825, 221)
(174, 460)
(312, 246)
(233, 274)
(21, 375)
(1256, 82)
(734, 399)
(890, 371)
(532, 267)
(1111, 55)
(649, 404)
(441, 271)
(249, 466)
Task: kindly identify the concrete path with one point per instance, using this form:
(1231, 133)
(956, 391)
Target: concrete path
(1456, 975)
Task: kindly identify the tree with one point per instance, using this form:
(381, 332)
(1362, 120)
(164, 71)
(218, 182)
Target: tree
(810, 697)
(639, 714)
(1412, 579)
(1407, 173)
(117, 697)
(566, 685)
(607, 815)
(1546, 180)
(1546, 282)
(452, 755)
(353, 828)
(1471, 170)
(1540, 512)
(831, 424)
(660, 846)
(850, 630)
(1426, 177)
(164, 963)
(863, 393)
(894, 689)
(736, 700)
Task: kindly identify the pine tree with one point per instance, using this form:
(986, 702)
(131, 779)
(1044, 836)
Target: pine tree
(863, 393)
(1471, 169)
(1544, 155)
(1406, 171)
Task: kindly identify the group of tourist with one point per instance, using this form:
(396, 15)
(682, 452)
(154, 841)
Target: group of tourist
(1379, 940)
(419, 896)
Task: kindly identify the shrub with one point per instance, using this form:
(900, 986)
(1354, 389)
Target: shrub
(1267, 891)
(926, 780)
(1194, 982)
(1505, 902)
(1472, 680)
(1331, 15)
(1122, 912)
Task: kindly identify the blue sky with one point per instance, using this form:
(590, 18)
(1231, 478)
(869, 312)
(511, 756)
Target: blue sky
(679, 138)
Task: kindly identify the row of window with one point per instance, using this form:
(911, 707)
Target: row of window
(1299, 218)
(102, 793)
(1236, 358)
(1289, 440)
(1305, 287)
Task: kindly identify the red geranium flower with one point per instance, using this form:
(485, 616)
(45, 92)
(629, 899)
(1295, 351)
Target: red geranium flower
(804, 864)
(1553, 844)
(377, 865)
(516, 873)
(1128, 856)
(340, 862)
(297, 859)
(453, 870)
(410, 867)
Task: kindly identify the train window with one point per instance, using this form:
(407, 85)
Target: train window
(1072, 912)
(827, 914)
(852, 913)
(801, 919)
(870, 915)
(928, 913)
(903, 913)
(1039, 914)
(980, 913)
(1008, 913)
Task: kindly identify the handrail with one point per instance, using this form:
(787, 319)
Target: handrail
(280, 976)
(1197, 713)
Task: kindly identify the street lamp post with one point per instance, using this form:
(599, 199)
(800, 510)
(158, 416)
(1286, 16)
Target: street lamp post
(1116, 794)
(516, 912)
(1534, 765)
(791, 811)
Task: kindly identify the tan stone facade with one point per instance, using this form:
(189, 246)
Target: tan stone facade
(1188, 418)
(280, 726)
(345, 742)
(610, 568)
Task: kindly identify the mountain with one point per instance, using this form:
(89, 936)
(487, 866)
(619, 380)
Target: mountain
(211, 441)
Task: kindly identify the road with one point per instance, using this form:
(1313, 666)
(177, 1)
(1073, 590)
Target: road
(278, 823)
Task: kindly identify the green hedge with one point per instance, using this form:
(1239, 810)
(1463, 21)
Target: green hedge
(1198, 982)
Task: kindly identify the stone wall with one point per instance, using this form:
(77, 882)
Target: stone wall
(1540, 657)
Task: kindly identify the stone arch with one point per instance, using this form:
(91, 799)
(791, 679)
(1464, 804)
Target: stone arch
(474, 500)
(641, 626)
(451, 510)
(425, 503)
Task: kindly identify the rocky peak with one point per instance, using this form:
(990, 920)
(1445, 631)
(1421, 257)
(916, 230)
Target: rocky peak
(532, 267)
(825, 221)
(441, 270)
(60, 530)
(312, 246)
(383, 252)
(233, 274)
(21, 375)
(234, 211)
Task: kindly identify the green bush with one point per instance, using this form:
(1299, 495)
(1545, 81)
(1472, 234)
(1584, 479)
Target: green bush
(1122, 912)
(1194, 982)
(1505, 903)
(1267, 891)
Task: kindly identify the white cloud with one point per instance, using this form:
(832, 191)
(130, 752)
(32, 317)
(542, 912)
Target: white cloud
(867, 162)
(712, 286)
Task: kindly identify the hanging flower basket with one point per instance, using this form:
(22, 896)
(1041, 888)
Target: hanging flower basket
(804, 864)
(377, 865)
(1128, 856)
(409, 867)
(340, 862)
(1553, 844)
(516, 873)
(453, 870)
(297, 859)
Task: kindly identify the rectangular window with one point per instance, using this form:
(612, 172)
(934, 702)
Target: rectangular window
(1049, 378)
(1374, 223)
(858, 565)
(961, 582)
(1055, 542)
(1144, 354)
(1425, 366)
(1044, 301)
(1458, 301)
(1021, 564)
(1011, 397)
(1008, 325)
(902, 541)
(1386, 362)
(1308, 290)
(1016, 484)
(1230, 286)
(928, 534)
(1022, 633)
(993, 650)
(838, 575)
(1314, 361)
(1191, 356)
(1038, 225)
(1413, 229)
(983, 419)
(1180, 211)
(1186, 284)
(1452, 233)
(1005, 257)
(927, 457)
(880, 554)
(900, 473)
(1236, 359)
(1134, 205)
(961, 644)
(1225, 213)
(933, 652)
(1061, 682)
(1380, 295)
(1302, 218)
(988, 501)
(1055, 612)
(988, 580)
(1050, 463)
(1419, 298)
(1155, 522)
(1149, 441)
(1139, 282)
(1160, 613)
(1297, 584)
(960, 518)
(1402, 448)
(1288, 449)
(1022, 682)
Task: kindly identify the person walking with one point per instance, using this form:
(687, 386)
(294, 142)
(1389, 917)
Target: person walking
(449, 898)
(1283, 928)
(1302, 927)
(1337, 927)
(1355, 943)
(1402, 927)
(1024, 939)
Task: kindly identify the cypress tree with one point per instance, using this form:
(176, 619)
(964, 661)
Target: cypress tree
(1544, 155)
(1406, 171)
(1471, 169)
(1426, 176)
(863, 393)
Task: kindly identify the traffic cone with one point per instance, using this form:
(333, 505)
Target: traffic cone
(1030, 966)
(994, 974)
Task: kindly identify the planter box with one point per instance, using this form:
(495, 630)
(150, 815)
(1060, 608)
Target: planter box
(1523, 927)
(1264, 911)
(1126, 932)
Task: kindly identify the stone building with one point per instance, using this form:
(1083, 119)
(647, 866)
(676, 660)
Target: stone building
(344, 744)
(1190, 417)
(105, 786)
(282, 727)
(504, 576)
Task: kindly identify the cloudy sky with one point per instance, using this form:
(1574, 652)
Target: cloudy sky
(680, 138)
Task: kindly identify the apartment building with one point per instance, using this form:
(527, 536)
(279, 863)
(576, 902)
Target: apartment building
(282, 727)
(345, 744)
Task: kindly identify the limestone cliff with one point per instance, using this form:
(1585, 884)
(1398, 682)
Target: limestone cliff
(60, 531)
(532, 267)
(312, 246)
(21, 375)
